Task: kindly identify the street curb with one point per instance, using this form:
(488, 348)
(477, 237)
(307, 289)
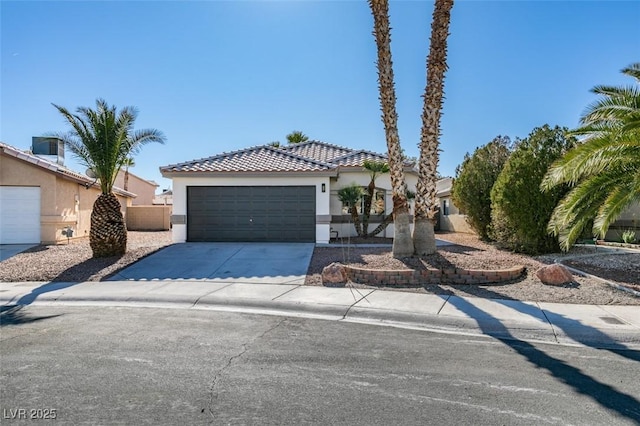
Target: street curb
(490, 327)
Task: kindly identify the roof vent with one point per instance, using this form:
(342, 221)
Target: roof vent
(49, 148)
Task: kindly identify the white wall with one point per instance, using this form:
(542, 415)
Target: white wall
(180, 196)
(363, 178)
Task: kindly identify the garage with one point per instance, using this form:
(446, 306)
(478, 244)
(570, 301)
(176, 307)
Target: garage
(251, 213)
(19, 215)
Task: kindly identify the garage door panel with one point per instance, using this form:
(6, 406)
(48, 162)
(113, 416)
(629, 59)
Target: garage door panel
(264, 213)
(19, 215)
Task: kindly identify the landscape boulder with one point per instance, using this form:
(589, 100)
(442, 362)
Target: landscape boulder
(554, 275)
(334, 275)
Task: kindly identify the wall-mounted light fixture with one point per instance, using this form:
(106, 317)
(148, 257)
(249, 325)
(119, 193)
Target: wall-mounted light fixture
(324, 188)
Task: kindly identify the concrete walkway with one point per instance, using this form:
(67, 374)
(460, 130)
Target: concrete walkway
(10, 250)
(616, 327)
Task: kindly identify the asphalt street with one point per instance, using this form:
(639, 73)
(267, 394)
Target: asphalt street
(116, 365)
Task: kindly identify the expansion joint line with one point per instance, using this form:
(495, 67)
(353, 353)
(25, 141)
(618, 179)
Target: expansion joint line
(553, 330)
(220, 372)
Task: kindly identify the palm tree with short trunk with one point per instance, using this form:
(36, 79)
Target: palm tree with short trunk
(296, 137)
(351, 196)
(375, 168)
(604, 169)
(402, 243)
(103, 139)
(426, 204)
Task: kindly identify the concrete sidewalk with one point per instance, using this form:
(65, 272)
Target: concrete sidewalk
(616, 327)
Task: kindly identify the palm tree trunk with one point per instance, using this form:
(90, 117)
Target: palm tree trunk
(108, 234)
(426, 205)
(385, 222)
(356, 220)
(402, 243)
(366, 214)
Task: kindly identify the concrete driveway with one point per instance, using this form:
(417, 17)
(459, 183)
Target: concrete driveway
(9, 250)
(273, 263)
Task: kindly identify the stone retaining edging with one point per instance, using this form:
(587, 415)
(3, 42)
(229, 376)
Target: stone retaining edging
(418, 278)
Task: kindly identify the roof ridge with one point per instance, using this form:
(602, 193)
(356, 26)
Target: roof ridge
(359, 151)
(315, 141)
(300, 157)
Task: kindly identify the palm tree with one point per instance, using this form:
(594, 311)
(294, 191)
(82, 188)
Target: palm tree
(603, 170)
(351, 196)
(374, 168)
(129, 162)
(296, 137)
(103, 140)
(426, 205)
(402, 243)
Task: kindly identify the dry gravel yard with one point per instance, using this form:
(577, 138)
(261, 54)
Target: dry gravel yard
(471, 253)
(73, 262)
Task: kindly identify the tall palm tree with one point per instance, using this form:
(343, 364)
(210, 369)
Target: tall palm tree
(351, 196)
(426, 205)
(103, 139)
(604, 170)
(402, 243)
(129, 162)
(296, 137)
(374, 168)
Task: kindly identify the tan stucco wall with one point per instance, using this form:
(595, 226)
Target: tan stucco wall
(144, 190)
(149, 218)
(454, 221)
(63, 203)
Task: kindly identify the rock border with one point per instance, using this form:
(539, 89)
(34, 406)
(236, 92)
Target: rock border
(418, 278)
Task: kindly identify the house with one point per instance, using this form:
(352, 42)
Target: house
(165, 198)
(145, 190)
(40, 198)
(450, 218)
(267, 193)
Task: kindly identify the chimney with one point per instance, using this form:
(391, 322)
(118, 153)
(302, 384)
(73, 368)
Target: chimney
(48, 147)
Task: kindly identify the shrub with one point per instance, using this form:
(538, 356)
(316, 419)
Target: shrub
(520, 211)
(471, 191)
(629, 236)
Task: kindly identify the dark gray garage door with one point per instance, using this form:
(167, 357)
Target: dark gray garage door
(251, 213)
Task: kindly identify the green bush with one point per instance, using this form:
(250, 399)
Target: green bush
(471, 191)
(520, 211)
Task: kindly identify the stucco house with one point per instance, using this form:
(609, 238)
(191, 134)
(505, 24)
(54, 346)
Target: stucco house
(39, 198)
(267, 193)
(144, 189)
(450, 218)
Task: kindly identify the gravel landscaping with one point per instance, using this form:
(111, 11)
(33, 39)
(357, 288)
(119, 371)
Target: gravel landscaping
(73, 262)
(471, 253)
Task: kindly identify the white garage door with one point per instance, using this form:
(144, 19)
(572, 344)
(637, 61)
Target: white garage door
(19, 215)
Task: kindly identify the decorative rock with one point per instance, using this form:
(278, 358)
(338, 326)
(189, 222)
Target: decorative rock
(554, 275)
(334, 275)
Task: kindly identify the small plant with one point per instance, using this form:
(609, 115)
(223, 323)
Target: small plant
(629, 236)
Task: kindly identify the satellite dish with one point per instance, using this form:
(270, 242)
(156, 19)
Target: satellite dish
(91, 173)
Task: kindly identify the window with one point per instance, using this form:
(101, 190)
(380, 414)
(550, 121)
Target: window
(377, 206)
(445, 207)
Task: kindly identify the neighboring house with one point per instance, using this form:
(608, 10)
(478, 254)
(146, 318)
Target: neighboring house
(450, 218)
(629, 220)
(267, 193)
(40, 198)
(164, 199)
(145, 190)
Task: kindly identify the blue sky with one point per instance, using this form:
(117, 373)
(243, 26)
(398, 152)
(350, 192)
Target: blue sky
(220, 76)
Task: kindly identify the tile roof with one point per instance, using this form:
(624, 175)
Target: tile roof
(255, 159)
(54, 167)
(310, 156)
(317, 150)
